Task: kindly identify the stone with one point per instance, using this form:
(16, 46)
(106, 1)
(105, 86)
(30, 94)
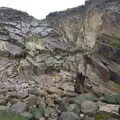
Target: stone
(89, 107)
(18, 107)
(13, 101)
(68, 87)
(50, 112)
(35, 91)
(63, 106)
(79, 99)
(109, 108)
(112, 99)
(22, 94)
(32, 100)
(42, 118)
(13, 50)
(68, 116)
(4, 108)
(54, 90)
(37, 113)
(7, 115)
(88, 118)
(50, 102)
(26, 115)
(74, 108)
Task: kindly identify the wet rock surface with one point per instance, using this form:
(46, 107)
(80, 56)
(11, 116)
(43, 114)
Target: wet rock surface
(50, 71)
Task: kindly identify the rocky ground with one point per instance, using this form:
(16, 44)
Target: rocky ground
(66, 67)
(50, 96)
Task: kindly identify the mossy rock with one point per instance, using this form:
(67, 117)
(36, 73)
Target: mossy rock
(103, 116)
(84, 97)
(37, 113)
(112, 99)
(7, 115)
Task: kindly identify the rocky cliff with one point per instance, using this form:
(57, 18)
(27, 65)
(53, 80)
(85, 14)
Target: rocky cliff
(93, 28)
(77, 50)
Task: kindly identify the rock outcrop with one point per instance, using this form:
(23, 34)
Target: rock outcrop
(94, 29)
(41, 61)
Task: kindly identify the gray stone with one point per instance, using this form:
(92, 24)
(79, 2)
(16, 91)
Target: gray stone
(18, 107)
(4, 108)
(69, 116)
(13, 50)
(37, 113)
(112, 99)
(88, 118)
(79, 99)
(34, 91)
(89, 107)
(74, 108)
(26, 115)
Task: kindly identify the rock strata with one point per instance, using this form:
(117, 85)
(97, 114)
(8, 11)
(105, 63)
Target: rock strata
(66, 66)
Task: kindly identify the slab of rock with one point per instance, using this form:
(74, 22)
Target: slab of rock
(112, 99)
(109, 108)
(18, 107)
(79, 99)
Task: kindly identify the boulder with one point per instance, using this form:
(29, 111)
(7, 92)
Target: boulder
(89, 107)
(37, 113)
(18, 107)
(68, 116)
(79, 99)
(74, 108)
(112, 99)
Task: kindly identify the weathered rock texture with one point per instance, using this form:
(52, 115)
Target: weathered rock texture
(93, 28)
(84, 39)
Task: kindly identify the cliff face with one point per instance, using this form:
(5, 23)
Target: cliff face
(85, 23)
(84, 39)
(94, 28)
(14, 26)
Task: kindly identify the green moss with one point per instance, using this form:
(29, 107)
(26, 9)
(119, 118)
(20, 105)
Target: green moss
(103, 116)
(7, 115)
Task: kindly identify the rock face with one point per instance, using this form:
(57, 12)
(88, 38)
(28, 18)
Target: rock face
(40, 60)
(14, 26)
(95, 29)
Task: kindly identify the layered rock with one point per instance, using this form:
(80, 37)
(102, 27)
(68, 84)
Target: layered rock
(36, 53)
(43, 62)
(95, 29)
